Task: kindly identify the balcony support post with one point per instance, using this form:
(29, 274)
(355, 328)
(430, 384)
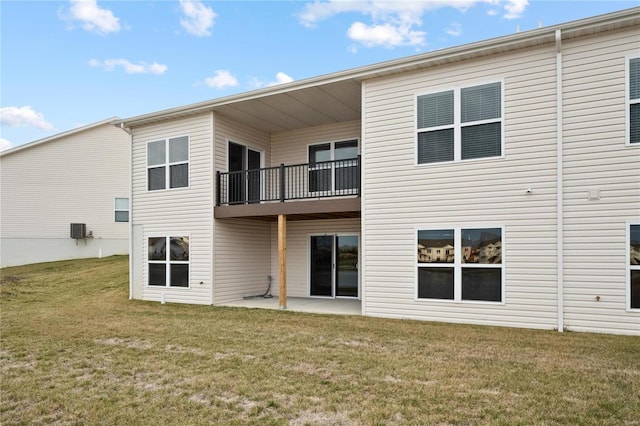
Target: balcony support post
(282, 256)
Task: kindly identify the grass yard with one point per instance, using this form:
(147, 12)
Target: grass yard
(75, 350)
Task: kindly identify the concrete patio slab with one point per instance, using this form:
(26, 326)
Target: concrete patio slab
(304, 304)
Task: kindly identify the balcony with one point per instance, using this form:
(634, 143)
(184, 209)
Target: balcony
(328, 189)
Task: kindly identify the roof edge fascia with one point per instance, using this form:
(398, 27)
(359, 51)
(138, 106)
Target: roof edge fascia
(540, 35)
(112, 120)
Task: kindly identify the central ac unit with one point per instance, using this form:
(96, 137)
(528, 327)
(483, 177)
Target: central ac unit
(78, 231)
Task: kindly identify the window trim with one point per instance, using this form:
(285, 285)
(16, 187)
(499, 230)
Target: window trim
(628, 101)
(457, 122)
(167, 236)
(628, 268)
(457, 264)
(167, 164)
(116, 209)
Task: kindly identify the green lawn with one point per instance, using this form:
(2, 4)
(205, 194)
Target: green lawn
(75, 350)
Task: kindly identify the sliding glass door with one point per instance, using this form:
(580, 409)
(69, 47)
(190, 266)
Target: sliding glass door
(333, 265)
(321, 265)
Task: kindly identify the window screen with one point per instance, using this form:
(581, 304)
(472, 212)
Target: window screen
(634, 100)
(435, 109)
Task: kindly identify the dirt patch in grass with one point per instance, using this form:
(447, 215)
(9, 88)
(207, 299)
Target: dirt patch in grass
(9, 280)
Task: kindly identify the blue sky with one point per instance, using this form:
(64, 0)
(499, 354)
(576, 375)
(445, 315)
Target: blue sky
(65, 64)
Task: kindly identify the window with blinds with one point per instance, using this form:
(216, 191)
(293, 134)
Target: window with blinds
(168, 163)
(460, 124)
(634, 101)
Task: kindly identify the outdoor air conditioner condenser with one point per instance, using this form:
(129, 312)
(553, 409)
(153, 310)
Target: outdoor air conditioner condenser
(78, 231)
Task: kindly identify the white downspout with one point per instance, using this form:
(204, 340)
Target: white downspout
(363, 216)
(559, 177)
(130, 132)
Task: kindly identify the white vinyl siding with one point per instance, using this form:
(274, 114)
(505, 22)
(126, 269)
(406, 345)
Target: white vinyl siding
(398, 194)
(292, 147)
(242, 261)
(246, 250)
(601, 182)
(71, 179)
(176, 213)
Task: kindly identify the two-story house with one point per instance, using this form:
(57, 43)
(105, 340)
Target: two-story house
(65, 196)
(520, 154)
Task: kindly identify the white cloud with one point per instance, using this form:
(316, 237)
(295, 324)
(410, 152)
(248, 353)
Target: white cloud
(5, 144)
(93, 17)
(129, 67)
(394, 23)
(25, 116)
(515, 8)
(221, 79)
(198, 18)
(386, 35)
(455, 29)
(281, 78)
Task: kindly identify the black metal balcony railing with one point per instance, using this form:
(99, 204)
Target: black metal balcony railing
(293, 182)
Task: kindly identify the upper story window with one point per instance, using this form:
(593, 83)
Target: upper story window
(121, 208)
(463, 123)
(333, 167)
(633, 101)
(168, 163)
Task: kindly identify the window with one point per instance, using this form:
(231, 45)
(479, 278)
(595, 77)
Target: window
(168, 163)
(633, 108)
(332, 167)
(633, 267)
(460, 124)
(467, 265)
(169, 268)
(121, 207)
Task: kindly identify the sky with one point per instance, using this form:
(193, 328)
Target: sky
(65, 64)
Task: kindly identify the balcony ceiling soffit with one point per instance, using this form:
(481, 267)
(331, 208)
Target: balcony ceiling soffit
(309, 107)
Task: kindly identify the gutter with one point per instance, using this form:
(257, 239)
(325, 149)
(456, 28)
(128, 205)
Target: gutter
(559, 182)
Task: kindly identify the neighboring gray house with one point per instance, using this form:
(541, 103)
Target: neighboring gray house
(80, 176)
(523, 152)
